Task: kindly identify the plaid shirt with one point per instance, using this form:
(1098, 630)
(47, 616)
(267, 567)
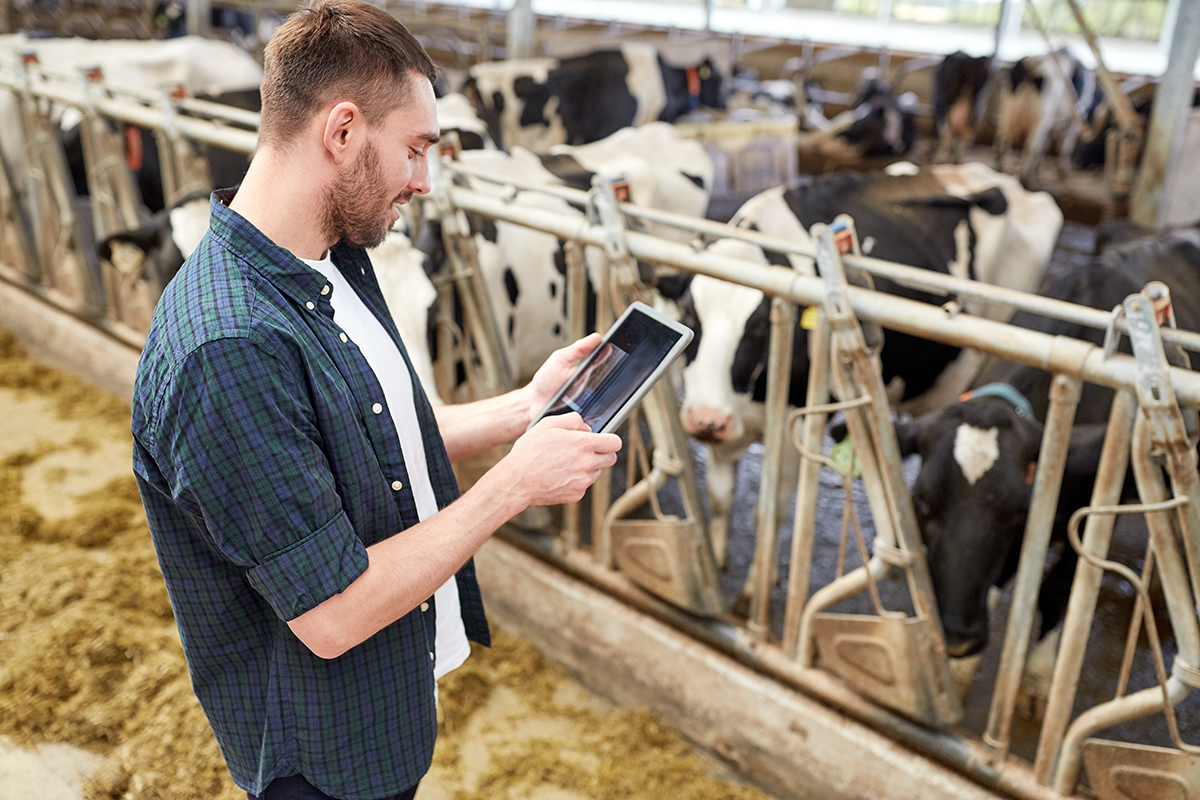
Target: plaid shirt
(267, 462)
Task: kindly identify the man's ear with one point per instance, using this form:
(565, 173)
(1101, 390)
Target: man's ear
(342, 129)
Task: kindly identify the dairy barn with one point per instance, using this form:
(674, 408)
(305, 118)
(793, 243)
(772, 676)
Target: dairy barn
(915, 517)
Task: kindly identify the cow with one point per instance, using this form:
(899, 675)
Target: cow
(967, 221)
(973, 490)
(1042, 100)
(878, 125)
(958, 87)
(525, 270)
(537, 103)
(884, 124)
(457, 115)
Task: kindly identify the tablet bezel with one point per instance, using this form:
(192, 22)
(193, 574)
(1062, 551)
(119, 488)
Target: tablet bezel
(685, 338)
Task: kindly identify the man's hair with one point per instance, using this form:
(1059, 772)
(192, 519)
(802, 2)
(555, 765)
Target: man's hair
(337, 49)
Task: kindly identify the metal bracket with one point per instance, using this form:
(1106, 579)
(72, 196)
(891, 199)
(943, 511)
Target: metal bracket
(930, 691)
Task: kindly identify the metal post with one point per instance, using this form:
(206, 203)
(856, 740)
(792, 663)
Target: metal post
(576, 290)
(1172, 102)
(1008, 28)
(766, 560)
(804, 524)
(1180, 609)
(1064, 397)
(199, 17)
(520, 26)
(602, 489)
(1110, 479)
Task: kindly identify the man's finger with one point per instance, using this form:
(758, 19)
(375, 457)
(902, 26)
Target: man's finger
(579, 349)
(570, 421)
(607, 443)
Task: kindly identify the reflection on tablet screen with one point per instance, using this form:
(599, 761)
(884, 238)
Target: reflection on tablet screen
(615, 371)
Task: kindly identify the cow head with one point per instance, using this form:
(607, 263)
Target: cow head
(489, 109)
(728, 370)
(971, 499)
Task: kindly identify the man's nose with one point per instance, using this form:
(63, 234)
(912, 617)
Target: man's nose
(419, 182)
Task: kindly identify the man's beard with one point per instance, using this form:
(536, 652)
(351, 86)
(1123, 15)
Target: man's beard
(352, 206)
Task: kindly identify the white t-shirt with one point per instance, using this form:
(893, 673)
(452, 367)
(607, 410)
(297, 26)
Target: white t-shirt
(364, 330)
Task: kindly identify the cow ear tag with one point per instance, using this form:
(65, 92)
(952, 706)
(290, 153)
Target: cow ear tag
(808, 320)
(842, 455)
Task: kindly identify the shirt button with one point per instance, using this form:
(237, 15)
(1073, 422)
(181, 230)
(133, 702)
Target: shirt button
(342, 336)
(377, 408)
(432, 657)
(325, 289)
(309, 306)
(397, 486)
(424, 606)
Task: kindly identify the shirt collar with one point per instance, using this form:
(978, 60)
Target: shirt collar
(276, 263)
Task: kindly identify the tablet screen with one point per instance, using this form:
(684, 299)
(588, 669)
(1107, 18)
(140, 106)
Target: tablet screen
(616, 370)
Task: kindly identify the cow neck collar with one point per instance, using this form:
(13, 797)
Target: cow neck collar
(1006, 391)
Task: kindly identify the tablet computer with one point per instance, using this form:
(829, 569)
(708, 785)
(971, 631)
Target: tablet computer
(615, 376)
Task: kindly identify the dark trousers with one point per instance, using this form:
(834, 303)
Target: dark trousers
(294, 787)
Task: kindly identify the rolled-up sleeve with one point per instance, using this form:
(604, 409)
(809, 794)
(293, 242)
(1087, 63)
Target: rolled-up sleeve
(239, 445)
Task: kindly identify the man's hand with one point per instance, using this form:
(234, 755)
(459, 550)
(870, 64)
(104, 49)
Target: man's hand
(554, 373)
(558, 459)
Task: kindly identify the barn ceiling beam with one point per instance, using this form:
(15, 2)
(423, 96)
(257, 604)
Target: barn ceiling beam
(1172, 103)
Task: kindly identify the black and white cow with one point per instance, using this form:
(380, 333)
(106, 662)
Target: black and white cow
(540, 102)
(973, 491)
(967, 221)
(524, 269)
(884, 124)
(958, 86)
(1037, 106)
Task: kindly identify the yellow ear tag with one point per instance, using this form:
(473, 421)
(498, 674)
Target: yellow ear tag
(808, 320)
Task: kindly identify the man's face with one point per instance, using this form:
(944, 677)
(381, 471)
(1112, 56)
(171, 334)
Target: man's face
(363, 203)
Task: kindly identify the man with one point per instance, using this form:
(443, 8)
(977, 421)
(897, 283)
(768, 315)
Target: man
(296, 480)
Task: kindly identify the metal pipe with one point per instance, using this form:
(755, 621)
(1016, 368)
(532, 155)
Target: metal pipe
(804, 523)
(1052, 353)
(835, 591)
(1110, 480)
(1013, 779)
(779, 368)
(912, 277)
(1052, 459)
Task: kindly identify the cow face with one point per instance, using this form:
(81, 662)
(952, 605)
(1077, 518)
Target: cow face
(711, 406)
(971, 499)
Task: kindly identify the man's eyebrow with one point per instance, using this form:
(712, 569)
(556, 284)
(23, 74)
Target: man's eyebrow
(431, 138)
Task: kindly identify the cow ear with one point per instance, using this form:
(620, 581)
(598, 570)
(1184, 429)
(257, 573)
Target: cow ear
(991, 200)
(523, 86)
(471, 91)
(907, 435)
(673, 287)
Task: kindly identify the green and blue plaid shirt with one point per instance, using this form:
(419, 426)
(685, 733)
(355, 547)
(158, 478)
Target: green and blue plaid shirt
(266, 469)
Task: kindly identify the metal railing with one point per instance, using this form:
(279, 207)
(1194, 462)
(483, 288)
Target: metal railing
(1148, 380)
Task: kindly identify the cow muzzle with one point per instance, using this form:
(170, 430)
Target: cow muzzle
(707, 425)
